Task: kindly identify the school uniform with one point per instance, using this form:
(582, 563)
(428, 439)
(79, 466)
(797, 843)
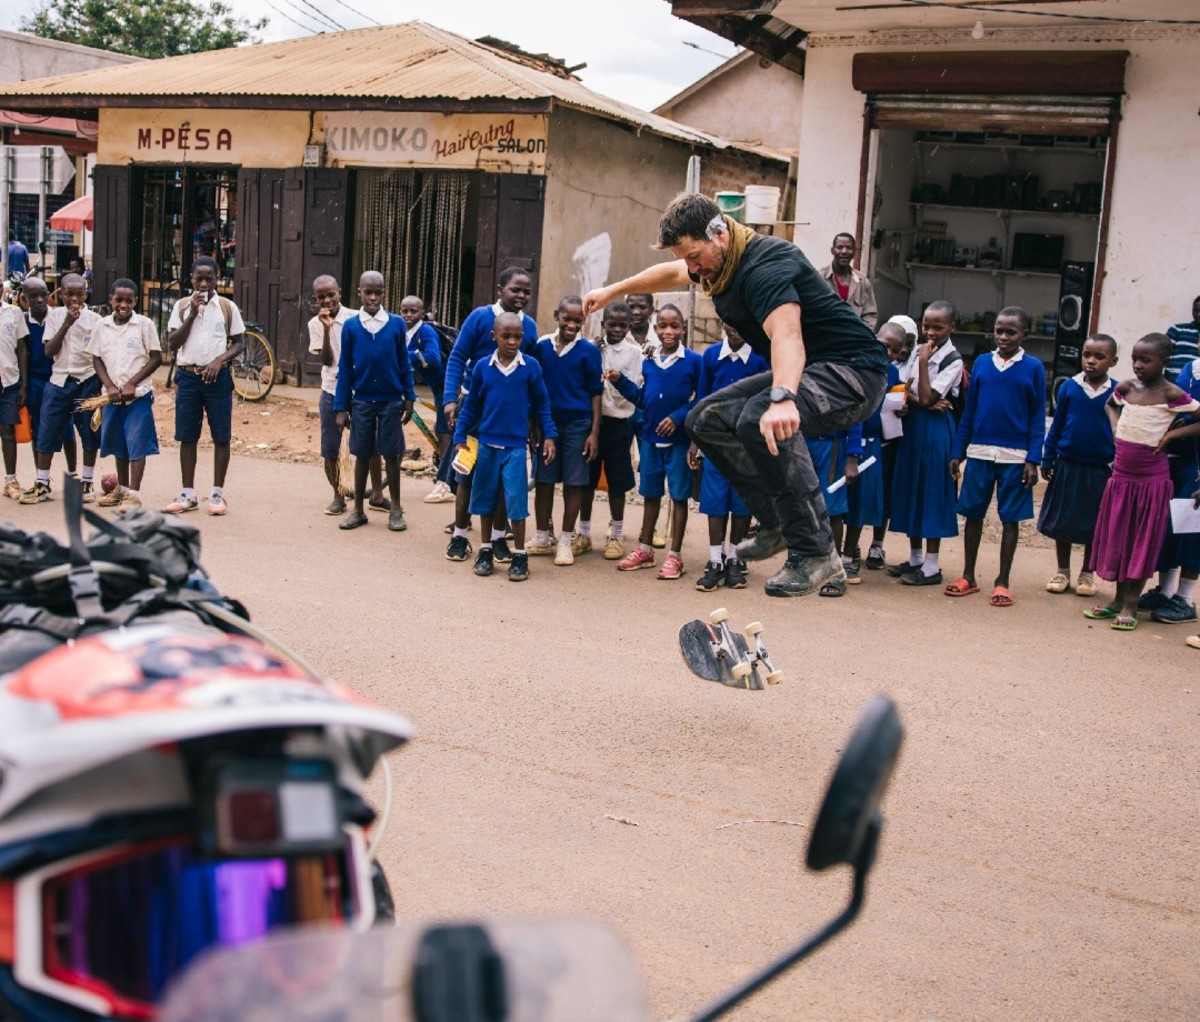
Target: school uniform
(127, 430)
(669, 387)
(1001, 431)
(375, 379)
(12, 329)
(829, 454)
(72, 379)
(1079, 452)
(867, 500)
(209, 339)
(721, 366)
(331, 432)
(40, 366)
(496, 410)
(924, 494)
(475, 343)
(572, 378)
(617, 416)
(1182, 550)
(425, 354)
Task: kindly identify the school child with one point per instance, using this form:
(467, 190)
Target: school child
(641, 329)
(1133, 517)
(721, 365)
(126, 351)
(73, 379)
(867, 500)
(425, 354)
(475, 343)
(375, 393)
(14, 372)
(41, 365)
(619, 352)
(836, 456)
(924, 493)
(571, 369)
(1173, 600)
(1000, 438)
(670, 382)
(506, 392)
(205, 332)
(1077, 462)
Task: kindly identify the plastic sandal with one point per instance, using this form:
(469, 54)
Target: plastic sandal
(1001, 597)
(960, 588)
(1124, 624)
(1100, 614)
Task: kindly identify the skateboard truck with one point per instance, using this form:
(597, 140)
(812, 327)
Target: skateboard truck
(715, 652)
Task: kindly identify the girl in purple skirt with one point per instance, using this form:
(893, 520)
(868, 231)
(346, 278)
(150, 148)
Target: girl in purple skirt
(1134, 510)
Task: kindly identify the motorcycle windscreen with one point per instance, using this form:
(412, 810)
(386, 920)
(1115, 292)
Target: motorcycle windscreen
(125, 925)
(556, 970)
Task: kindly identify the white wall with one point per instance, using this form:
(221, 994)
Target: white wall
(24, 56)
(1152, 265)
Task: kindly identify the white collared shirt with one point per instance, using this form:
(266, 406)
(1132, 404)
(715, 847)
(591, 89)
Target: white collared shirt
(125, 348)
(208, 338)
(626, 358)
(72, 358)
(316, 339)
(992, 452)
(373, 323)
(507, 370)
(12, 328)
(1002, 364)
(742, 354)
(1091, 391)
(498, 308)
(554, 339)
(651, 345)
(945, 382)
(665, 362)
(411, 332)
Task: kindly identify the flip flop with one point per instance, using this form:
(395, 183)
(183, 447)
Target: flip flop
(960, 588)
(1124, 624)
(1100, 613)
(1001, 597)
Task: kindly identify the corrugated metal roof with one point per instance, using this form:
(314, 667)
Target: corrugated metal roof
(413, 60)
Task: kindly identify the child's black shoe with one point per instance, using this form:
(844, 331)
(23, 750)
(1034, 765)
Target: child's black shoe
(518, 571)
(714, 575)
(875, 561)
(501, 552)
(483, 562)
(735, 574)
(458, 549)
(1153, 599)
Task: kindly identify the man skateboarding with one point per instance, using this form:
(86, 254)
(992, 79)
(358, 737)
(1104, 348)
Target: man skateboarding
(825, 376)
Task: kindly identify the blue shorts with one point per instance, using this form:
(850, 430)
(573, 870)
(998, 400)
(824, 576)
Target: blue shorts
(717, 497)
(499, 468)
(1014, 502)
(614, 455)
(829, 462)
(195, 400)
(331, 432)
(37, 390)
(377, 427)
(58, 412)
(10, 408)
(665, 465)
(569, 466)
(127, 431)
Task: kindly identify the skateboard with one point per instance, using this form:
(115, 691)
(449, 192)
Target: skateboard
(714, 652)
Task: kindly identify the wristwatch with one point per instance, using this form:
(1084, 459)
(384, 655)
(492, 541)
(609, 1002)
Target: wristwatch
(782, 394)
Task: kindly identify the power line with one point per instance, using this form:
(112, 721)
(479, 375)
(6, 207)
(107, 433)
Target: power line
(284, 14)
(324, 17)
(365, 17)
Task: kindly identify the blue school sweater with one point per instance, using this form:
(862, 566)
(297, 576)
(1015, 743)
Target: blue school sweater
(373, 367)
(498, 407)
(669, 391)
(475, 344)
(1005, 409)
(716, 373)
(873, 427)
(573, 379)
(40, 364)
(1080, 431)
(427, 342)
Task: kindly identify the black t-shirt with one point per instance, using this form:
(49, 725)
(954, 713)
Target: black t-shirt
(774, 272)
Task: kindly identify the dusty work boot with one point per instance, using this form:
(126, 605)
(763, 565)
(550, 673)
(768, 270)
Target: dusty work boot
(767, 542)
(802, 575)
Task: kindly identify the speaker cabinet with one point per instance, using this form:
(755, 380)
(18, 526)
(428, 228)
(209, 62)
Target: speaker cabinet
(1074, 314)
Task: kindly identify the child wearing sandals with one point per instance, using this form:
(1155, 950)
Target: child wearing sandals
(1132, 522)
(1077, 463)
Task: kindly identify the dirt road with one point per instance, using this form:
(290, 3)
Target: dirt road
(1039, 857)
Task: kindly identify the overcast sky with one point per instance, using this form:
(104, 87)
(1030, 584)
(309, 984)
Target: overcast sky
(634, 49)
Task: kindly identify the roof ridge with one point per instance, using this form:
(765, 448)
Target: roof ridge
(471, 50)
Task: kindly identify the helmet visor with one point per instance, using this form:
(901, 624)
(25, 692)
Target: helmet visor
(124, 924)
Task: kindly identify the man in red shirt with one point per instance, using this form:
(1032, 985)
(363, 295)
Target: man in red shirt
(847, 283)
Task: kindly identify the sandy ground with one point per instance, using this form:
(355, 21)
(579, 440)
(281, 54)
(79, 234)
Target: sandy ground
(1039, 856)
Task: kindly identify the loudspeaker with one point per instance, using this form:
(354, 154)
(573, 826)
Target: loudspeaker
(1074, 314)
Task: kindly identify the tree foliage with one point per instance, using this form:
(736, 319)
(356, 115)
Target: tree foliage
(164, 28)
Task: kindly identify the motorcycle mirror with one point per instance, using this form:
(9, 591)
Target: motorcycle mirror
(858, 782)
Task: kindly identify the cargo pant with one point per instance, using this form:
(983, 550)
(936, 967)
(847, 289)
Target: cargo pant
(783, 491)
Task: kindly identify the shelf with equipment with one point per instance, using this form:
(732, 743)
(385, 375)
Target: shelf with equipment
(999, 211)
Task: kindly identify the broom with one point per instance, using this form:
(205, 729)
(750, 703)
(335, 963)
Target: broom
(96, 406)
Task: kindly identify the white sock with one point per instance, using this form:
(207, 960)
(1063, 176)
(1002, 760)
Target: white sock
(876, 546)
(731, 551)
(518, 551)
(189, 493)
(564, 540)
(460, 532)
(716, 553)
(1187, 589)
(217, 491)
(915, 556)
(847, 560)
(646, 546)
(1168, 581)
(497, 534)
(485, 546)
(43, 475)
(541, 538)
(585, 528)
(89, 473)
(930, 566)
(132, 493)
(618, 529)
(9, 479)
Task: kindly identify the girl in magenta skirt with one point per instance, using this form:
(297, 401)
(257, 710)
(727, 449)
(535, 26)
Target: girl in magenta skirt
(1135, 509)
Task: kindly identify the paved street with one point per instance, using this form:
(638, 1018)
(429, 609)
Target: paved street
(1039, 858)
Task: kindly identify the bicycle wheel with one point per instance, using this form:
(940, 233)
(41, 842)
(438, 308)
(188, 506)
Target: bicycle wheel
(254, 369)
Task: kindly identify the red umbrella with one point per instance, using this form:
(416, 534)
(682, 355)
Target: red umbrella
(74, 216)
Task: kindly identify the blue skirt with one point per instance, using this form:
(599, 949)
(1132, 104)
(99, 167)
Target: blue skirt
(866, 496)
(1072, 502)
(829, 462)
(1182, 551)
(924, 494)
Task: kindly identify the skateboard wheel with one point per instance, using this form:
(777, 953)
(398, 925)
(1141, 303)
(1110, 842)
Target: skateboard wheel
(754, 628)
(741, 672)
(775, 677)
(718, 616)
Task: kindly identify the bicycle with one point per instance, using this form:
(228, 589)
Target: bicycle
(253, 368)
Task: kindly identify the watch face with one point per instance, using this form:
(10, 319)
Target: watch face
(780, 394)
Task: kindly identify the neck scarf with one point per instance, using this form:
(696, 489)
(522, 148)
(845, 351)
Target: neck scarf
(739, 238)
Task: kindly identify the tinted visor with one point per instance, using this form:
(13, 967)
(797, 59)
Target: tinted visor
(125, 924)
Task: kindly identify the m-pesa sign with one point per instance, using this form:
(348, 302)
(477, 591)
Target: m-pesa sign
(495, 142)
(247, 138)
